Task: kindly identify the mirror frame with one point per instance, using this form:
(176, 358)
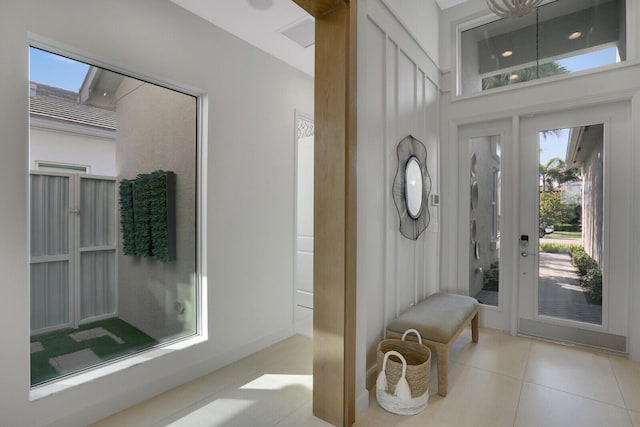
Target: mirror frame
(410, 148)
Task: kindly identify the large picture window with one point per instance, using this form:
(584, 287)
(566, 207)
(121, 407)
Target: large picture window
(93, 301)
(560, 37)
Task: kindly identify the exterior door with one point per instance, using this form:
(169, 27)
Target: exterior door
(573, 206)
(485, 194)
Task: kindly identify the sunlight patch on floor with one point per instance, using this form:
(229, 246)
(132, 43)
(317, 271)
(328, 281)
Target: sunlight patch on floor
(220, 412)
(279, 382)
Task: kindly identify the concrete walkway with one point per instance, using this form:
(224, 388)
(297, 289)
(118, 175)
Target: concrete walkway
(559, 291)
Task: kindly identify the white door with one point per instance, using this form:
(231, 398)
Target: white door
(574, 204)
(486, 219)
(73, 249)
(303, 270)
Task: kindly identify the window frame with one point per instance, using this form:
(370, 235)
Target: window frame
(201, 335)
(485, 17)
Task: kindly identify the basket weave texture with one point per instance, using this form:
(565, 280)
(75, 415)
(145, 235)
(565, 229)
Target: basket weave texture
(418, 359)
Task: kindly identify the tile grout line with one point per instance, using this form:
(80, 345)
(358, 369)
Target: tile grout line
(580, 396)
(524, 377)
(233, 383)
(626, 405)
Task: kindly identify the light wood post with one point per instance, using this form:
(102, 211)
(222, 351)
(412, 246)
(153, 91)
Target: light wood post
(334, 271)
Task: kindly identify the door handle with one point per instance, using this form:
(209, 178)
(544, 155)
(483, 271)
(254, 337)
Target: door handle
(525, 254)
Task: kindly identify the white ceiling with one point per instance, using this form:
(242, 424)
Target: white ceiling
(261, 28)
(260, 23)
(446, 4)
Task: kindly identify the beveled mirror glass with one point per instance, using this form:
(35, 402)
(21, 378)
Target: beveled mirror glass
(413, 182)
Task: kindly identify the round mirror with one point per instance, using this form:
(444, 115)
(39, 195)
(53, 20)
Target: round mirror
(474, 231)
(474, 196)
(413, 186)
(474, 162)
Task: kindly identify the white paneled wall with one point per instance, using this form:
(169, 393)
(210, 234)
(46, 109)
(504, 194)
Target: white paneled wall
(398, 97)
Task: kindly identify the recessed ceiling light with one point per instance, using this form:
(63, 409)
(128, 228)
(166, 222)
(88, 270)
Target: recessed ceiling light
(513, 76)
(575, 35)
(261, 4)
(507, 53)
(104, 93)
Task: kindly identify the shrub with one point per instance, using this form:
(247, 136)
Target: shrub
(566, 227)
(491, 277)
(554, 248)
(592, 282)
(590, 273)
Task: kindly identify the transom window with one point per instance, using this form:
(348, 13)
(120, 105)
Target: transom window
(560, 37)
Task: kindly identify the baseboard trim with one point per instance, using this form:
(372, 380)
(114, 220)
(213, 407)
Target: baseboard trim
(362, 402)
(562, 333)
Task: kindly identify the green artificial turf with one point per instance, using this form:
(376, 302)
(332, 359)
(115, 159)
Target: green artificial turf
(59, 342)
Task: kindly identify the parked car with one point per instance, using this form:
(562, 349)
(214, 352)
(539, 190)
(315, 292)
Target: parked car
(544, 230)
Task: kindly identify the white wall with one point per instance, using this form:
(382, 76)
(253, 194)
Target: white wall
(397, 96)
(65, 147)
(250, 100)
(157, 130)
(421, 19)
(529, 99)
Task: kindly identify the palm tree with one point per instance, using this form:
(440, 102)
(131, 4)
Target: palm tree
(530, 73)
(556, 172)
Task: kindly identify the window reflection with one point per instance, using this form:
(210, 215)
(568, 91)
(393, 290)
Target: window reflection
(485, 205)
(560, 37)
(90, 130)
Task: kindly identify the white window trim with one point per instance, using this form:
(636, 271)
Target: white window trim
(485, 18)
(201, 335)
(47, 166)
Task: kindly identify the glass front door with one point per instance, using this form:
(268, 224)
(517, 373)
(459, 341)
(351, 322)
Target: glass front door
(564, 267)
(570, 216)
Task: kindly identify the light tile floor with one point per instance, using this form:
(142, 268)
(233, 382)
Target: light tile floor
(501, 381)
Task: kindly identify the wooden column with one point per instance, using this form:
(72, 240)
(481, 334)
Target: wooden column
(334, 272)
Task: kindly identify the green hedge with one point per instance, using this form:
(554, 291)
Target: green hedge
(566, 227)
(146, 217)
(491, 277)
(590, 273)
(554, 248)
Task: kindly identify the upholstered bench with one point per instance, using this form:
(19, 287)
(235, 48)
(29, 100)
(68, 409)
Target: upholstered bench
(440, 319)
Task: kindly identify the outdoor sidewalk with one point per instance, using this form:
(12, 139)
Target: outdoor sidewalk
(559, 291)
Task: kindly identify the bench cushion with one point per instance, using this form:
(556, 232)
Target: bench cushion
(437, 318)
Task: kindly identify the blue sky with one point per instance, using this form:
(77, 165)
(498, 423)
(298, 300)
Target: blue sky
(55, 70)
(553, 144)
(590, 60)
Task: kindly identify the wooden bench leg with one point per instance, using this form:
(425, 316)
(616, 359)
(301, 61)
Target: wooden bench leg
(442, 353)
(474, 328)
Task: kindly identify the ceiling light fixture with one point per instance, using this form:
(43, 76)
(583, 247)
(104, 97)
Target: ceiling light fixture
(507, 53)
(575, 35)
(261, 4)
(513, 76)
(512, 8)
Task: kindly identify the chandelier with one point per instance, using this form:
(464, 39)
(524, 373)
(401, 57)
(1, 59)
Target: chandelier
(512, 8)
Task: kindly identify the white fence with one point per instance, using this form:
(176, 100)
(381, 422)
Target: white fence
(73, 249)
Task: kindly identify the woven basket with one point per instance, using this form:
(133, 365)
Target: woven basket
(415, 360)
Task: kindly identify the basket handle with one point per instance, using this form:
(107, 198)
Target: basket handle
(399, 356)
(415, 332)
(403, 391)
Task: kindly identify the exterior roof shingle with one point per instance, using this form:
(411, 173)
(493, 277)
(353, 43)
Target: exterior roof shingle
(55, 103)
